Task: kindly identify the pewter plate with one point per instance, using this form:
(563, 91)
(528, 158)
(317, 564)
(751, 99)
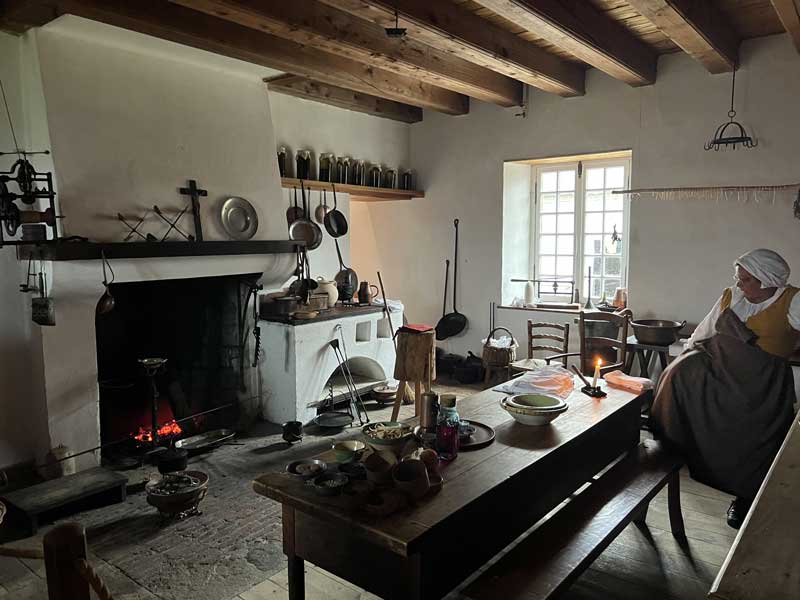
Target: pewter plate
(239, 218)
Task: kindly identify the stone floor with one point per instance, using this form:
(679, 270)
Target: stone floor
(233, 550)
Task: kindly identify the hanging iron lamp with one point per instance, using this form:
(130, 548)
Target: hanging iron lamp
(732, 132)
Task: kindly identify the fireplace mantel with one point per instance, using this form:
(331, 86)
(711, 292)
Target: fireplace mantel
(119, 250)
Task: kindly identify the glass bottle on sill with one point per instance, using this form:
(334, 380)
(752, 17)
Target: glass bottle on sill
(447, 424)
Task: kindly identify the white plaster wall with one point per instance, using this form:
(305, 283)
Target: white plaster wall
(131, 118)
(681, 250)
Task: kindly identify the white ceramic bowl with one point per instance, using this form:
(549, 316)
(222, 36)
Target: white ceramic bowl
(537, 402)
(529, 416)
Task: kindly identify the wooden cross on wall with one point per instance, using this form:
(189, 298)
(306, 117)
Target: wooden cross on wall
(195, 193)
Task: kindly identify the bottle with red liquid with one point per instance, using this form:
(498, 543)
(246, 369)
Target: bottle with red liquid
(447, 424)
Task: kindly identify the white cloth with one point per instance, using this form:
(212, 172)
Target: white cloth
(394, 305)
(766, 266)
(550, 380)
(744, 309)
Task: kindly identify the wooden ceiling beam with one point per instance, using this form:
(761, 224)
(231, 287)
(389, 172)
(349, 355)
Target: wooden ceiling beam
(580, 29)
(162, 19)
(310, 23)
(302, 87)
(789, 14)
(452, 29)
(698, 27)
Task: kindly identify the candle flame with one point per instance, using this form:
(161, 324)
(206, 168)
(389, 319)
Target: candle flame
(599, 362)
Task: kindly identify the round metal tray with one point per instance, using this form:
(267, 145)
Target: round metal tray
(239, 218)
(205, 441)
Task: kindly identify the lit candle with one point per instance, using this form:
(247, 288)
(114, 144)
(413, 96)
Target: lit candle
(596, 372)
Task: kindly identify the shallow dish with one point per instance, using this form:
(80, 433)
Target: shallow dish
(348, 450)
(537, 402)
(239, 218)
(531, 416)
(330, 484)
(306, 469)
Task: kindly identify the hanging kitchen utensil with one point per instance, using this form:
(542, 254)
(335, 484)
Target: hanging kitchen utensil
(106, 303)
(239, 218)
(388, 312)
(43, 310)
(440, 327)
(256, 328)
(293, 212)
(346, 279)
(453, 323)
(335, 221)
(322, 208)
(304, 229)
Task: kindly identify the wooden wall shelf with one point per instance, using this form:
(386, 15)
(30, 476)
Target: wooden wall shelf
(118, 250)
(358, 193)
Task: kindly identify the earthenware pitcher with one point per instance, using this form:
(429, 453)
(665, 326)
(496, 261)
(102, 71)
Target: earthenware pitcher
(365, 293)
(328, 287)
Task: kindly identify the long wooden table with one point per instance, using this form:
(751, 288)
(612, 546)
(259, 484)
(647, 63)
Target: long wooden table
(490, 497)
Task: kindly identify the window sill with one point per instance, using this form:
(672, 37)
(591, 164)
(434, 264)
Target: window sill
(566, 311)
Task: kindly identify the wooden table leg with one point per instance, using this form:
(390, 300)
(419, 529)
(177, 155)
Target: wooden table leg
(417, 397)
(674, 505)
(297, 577)
(398, 400)
(663, 357)
(642, 363)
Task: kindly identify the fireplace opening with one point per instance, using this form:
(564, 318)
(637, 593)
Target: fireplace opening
(201, 327)
(366, 373)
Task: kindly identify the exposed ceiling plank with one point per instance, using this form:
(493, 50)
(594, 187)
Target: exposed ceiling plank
(577, 27)
(310, 23)
(301, 87)
(447, 27)
(698, 27)
(789, 14)
(185, 26)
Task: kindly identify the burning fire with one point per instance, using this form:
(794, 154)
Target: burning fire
(168, 429)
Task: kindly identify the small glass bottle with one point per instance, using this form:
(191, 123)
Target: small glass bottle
(447, 424)
(282, 161)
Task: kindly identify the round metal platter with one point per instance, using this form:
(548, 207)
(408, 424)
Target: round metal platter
(334, 419)
(239, 218)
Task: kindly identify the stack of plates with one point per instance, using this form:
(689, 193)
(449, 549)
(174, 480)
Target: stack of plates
(384, 394)
(533, 409)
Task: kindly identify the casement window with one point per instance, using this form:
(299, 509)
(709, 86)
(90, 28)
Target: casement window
(577, 224)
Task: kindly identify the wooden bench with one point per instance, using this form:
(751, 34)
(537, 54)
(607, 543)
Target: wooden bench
(554, 554)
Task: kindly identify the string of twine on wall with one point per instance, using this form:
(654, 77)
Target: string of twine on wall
(737, 193)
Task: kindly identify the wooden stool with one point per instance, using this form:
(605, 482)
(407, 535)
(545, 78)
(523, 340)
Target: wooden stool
(415, 363)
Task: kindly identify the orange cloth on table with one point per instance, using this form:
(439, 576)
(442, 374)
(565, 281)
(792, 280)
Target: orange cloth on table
(635, 385)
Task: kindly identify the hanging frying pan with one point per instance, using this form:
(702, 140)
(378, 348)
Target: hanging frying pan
(452, 323)
(440, 333)
(335, 221)
(304, 229)
(346, 279)
(293, 212)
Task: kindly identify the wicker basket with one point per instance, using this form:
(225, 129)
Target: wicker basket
(499, 357)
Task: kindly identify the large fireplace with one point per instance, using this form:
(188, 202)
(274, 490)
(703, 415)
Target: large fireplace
(201, 327)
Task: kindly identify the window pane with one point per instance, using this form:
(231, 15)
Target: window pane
(594, 200)
(547, 266)
(613, 266)
(594, 223)
(611, 220)
(566, 244)
(595, 287)
(615, 177)
(610, 287)
(548, 203)
(593, 244)
(566, 181)
(547, 244)
(596, 265)
(594, 179)
(564, 266)
(548, 224)
(611, 247)
(566, 202)
(613, 202)
(549, 181)
(566, 223)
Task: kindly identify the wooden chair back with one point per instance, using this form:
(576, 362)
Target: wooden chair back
(534, 337)
(612, 351)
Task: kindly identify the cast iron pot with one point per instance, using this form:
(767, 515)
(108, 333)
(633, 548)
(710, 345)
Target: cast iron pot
(656, 332)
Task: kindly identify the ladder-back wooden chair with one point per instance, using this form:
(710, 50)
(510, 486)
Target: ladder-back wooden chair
(612, 351)
(552, 332)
